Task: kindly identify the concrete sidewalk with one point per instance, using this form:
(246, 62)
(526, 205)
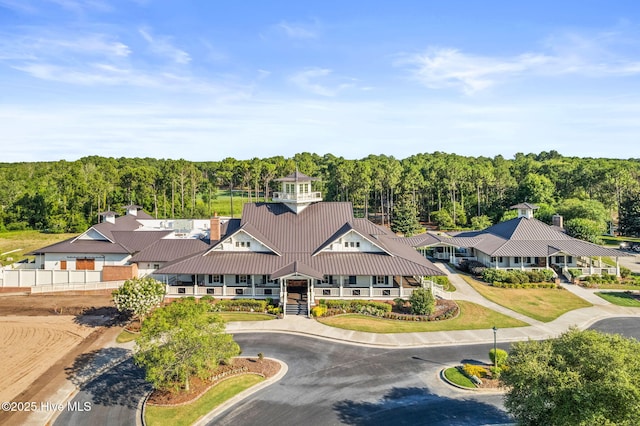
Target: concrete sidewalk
(581, 318)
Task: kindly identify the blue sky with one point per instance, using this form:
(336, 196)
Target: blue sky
(205, 80)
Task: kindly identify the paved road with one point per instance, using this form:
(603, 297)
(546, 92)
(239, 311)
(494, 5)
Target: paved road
(114, 397)
(330, 383)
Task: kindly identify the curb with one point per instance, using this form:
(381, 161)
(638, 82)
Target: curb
(243, 395)
(476, 390)
(228, 403)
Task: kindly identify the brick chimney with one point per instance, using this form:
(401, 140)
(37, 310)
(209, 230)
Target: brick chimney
(556, 220)
(214, 228)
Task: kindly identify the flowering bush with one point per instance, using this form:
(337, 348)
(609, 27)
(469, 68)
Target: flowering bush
(139, 296)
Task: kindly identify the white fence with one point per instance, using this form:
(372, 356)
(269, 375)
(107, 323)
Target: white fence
(48, 288)
(37, 277)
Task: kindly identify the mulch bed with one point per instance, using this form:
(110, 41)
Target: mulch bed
(265, 367)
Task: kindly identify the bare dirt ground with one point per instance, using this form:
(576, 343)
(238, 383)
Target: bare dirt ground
(42, 334)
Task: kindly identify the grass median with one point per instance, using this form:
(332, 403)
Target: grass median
(542, 304)
(621, 299)
(472, 317)
(189, 413)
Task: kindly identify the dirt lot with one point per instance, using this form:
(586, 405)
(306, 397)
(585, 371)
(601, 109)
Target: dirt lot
(40, 331)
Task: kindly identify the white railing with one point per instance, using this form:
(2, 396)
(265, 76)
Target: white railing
(190, 290)
(364, 292)
(436, 289)
(310, 196)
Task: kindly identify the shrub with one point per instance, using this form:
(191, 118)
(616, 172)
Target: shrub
(245, 305)
(495, 372)
(207, 298)
(442, 280)
(260, 356)
(499, 357)
(274, 310)
(422, 302)
(575, 273)
(625, 272)
(319, 310)
(474, 370)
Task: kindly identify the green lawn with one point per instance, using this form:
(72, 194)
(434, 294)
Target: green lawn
(126, 336)
(472, 317)
(615, 241)
(542, 304)
(244, 316)
(188, 414)
(621, 299)
(455, 376)
(25, 241)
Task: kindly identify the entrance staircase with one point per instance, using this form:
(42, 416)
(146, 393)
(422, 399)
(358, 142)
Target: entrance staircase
(297, 304)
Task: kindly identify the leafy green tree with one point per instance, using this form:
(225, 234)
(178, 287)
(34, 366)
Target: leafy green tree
(443, 219)
(139, 296)
(579, 378)
(585, 229)
(629, 222)
(535, 188)
(480, 222)
(422, 302)
(182, 340)
(405, 218)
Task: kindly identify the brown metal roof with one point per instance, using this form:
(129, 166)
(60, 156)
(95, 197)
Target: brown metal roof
(166, 250)
(295, 177)
(296, 237)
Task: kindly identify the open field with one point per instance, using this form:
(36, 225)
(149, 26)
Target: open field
(472, 317)
(542, 304)
(35, 336)
(30, 345)
(15, 244)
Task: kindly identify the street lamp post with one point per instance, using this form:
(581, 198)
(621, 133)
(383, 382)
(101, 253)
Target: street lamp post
(495, 350)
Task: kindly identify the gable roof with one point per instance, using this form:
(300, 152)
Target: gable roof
(297, 237)
(529, 237)
(169, 249)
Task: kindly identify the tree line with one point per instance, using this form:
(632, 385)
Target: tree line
(449, 190)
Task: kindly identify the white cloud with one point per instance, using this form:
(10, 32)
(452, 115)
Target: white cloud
(163, 47)
(320, 81)
(567, 54)
(297, 30)
(446, 67)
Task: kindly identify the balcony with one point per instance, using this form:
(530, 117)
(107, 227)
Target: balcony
(300, 197)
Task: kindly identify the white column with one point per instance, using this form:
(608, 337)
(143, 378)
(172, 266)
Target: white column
(224, 285)
(400, 289)
(312, 292)
(371, 286)
(253, 286)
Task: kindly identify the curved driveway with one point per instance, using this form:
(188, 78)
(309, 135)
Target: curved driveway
(330, 383)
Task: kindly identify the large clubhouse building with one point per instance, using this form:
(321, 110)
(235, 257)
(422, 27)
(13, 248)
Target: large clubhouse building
(301, 249)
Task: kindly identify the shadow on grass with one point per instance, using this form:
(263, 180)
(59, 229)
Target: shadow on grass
(418, 406)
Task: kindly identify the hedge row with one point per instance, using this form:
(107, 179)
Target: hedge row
(525, 285)
(517, 277)
(245, 305)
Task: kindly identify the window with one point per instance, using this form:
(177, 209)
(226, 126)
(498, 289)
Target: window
(355, 292)
(516, 260)
(352, 279)
(211, 291)
(559, 259)
(569, 259)
(242, 279)
(156, 266)
(381, 279)
(215, 279)
(268, 292)
(527, 260)
(239, 291)
(327, 279)
(493, 259)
